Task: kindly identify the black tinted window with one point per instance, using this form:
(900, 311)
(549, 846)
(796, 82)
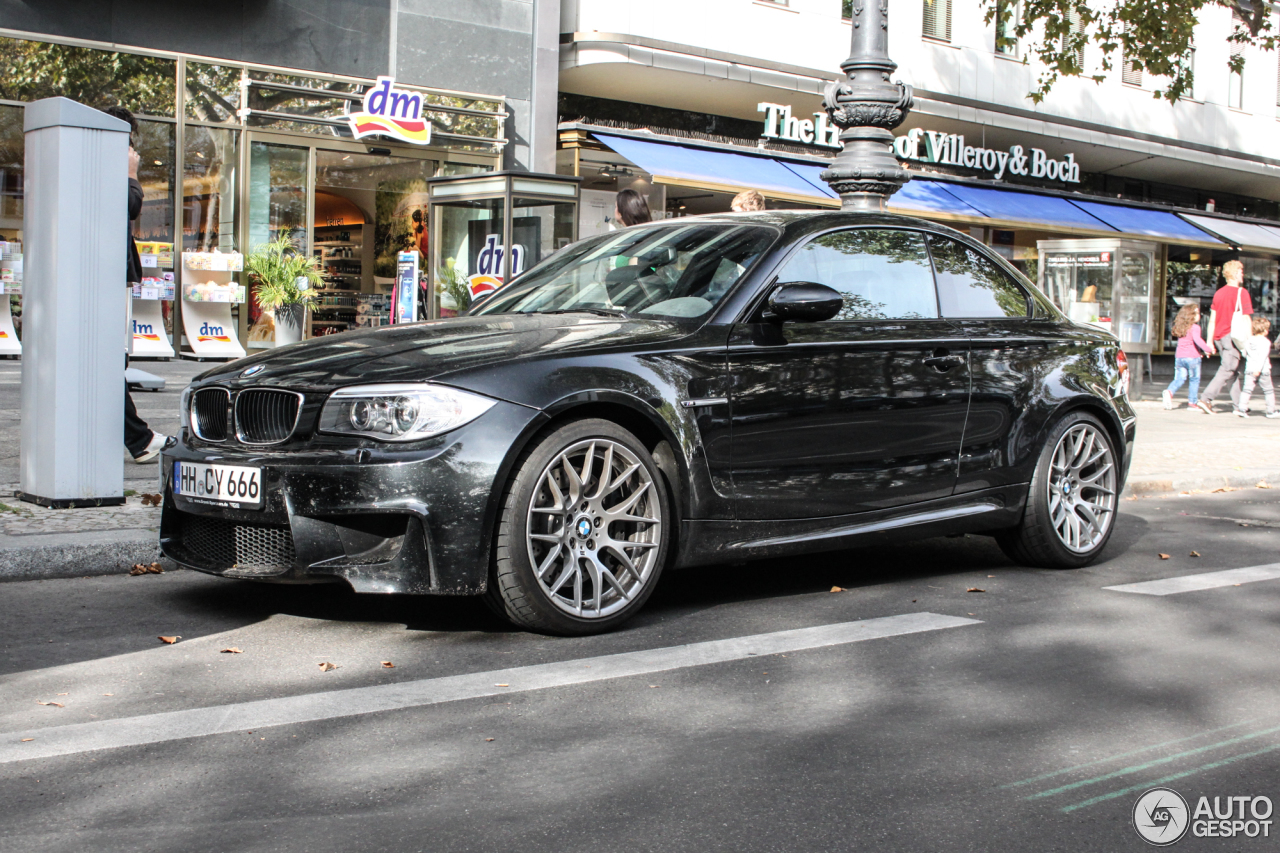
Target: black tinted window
(970, 285)
(882, 275)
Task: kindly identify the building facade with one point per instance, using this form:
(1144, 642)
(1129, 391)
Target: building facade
(1122, 205)
(245, 135)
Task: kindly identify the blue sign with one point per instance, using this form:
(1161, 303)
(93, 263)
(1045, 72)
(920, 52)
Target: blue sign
(406, 288)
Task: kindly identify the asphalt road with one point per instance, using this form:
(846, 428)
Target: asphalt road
(1028, 716)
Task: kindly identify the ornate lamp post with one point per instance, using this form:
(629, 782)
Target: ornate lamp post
(866, 106)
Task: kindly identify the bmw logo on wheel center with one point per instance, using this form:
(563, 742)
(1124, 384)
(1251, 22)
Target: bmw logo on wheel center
(584, 528)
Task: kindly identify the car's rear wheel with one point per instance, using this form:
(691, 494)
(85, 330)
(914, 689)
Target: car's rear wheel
(1071, 504)
(583, 532)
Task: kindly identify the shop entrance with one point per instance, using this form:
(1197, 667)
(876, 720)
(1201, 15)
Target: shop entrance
(354, 207)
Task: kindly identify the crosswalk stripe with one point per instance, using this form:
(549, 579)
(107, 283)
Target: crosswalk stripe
(221, 719)
(1208, 580)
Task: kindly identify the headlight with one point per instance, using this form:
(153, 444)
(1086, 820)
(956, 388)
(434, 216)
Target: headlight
(400, 412)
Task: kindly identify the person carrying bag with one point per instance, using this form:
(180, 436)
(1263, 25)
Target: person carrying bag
(1224, 329)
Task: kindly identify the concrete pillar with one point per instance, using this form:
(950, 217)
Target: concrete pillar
(74, 229)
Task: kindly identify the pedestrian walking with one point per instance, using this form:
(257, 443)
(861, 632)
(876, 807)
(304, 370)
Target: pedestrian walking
(630, 208)
(1257, 368)
(1228, 334)
(747, 201)
(1186, 360)
(143, 444)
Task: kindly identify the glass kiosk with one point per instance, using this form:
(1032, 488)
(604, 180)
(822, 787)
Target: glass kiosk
(474, 218)
(1108, 283)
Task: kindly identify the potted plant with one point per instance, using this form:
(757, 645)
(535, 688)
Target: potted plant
(286, 282)
(454, 290)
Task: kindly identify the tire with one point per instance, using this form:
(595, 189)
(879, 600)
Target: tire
(575, 553)
(1071, 503)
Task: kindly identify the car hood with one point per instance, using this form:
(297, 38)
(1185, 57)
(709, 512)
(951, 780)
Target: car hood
(434, 349)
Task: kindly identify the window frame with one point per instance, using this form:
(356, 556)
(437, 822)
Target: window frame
(943, 39)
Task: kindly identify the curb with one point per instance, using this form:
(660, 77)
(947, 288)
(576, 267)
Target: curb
(73, 555)
(1153, 486)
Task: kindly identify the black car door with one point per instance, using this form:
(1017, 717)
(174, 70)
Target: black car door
(860, 412)
(1008, 348)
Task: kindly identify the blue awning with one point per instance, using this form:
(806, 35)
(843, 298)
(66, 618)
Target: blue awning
(1013, 206)
(1150, 223)
(811, 174)
(664, 160)
(921, 196)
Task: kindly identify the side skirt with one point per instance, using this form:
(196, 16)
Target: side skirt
(711, 541)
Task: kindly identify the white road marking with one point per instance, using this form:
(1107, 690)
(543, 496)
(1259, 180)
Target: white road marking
(221, 719)
(1208, 580)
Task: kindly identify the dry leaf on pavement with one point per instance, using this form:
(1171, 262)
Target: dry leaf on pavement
(1164, 556)
(150, 500)
(139, 569)
(326, 666)
(232, 651)
(837, 589)
(169, 641)
(27, 739)
(975, 589)
(386, 664)
(1195, 553)
(488, 740)
(502, 685)
(1262, 486)
(54, 704)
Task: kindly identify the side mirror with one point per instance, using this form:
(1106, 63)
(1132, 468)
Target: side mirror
(804, 302)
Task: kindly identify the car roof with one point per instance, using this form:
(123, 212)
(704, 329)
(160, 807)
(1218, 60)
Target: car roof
(797, 223)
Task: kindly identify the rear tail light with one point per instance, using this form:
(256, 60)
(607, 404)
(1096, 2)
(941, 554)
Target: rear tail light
(1122, 363)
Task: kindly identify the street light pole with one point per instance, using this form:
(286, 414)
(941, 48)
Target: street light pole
(866, 106)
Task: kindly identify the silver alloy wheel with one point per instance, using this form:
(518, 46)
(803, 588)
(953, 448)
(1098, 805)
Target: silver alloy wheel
(1082, 488)
(594, 528)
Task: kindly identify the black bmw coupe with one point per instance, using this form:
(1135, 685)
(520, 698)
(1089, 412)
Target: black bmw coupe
(694, 391)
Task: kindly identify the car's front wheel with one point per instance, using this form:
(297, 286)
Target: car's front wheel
(583, 532)
(1071, 504)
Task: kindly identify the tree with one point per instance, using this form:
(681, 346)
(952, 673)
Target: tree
(1155, 36)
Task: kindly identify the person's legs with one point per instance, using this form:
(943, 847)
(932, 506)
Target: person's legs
(1193, 381)
(137, 435)
(1179, 376)
(1242, 402)
(1227, 371)
(1268, 391)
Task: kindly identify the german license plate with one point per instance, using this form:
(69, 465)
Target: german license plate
(219, 485)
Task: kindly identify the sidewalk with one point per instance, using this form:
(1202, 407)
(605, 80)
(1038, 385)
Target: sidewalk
(1176, 451)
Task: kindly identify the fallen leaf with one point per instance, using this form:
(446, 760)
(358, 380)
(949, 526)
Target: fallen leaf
(1184, 493)
(652, 686)
(1164, 556)
(990, 576)
(488, 740)
(64, 694)
(975, 589)
(150, 500)
(1221, 490)
(108, 694)
(1195, 553)
(913, 601)
(54, 704)
(326, 666)
(232, 650)
(502, 685)
(1262, 485)
(27, 739)
(837, 589)
(152, 569)
(169, 641)
(386, 664)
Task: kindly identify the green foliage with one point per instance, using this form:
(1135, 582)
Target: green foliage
(31, 70)
(1154, 36)
(451, 281)
(277, 266)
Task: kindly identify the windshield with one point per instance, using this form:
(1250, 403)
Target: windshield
(673, 271)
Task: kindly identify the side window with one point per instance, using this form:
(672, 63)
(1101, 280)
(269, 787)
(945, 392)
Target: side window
(883, 275)
(971, 286)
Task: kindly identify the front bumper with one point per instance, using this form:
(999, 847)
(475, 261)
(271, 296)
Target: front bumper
(382, 518)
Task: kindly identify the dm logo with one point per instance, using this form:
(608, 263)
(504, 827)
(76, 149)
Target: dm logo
(1161, 816)
(489, 265)
(393, 112)
(144, 332)
(212, 332)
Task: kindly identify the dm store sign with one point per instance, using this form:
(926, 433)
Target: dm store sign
(388, 111)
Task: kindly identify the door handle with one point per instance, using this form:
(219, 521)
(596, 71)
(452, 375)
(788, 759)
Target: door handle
(942, 360)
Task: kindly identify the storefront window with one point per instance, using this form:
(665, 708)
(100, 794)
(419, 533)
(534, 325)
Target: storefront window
(31, 70)
(155, 146)
(1106, 284)
(469, 262)
(208, 189)
(1187, 283)
(12, 157)
(212, 92)
(277, 193)
(541, 228)
(1260, 281)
